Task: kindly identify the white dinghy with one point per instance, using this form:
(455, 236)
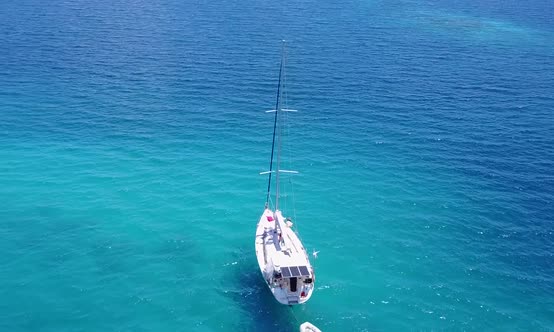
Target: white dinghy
(308, 327)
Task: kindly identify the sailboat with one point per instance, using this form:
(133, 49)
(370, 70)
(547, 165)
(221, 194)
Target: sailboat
(283, 260)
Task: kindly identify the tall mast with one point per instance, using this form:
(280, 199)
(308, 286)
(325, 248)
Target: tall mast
(280, 133)
(277, 111)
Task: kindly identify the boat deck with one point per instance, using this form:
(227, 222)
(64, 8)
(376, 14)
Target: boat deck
(285, 249)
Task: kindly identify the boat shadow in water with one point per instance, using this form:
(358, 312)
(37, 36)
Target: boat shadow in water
(255, 299)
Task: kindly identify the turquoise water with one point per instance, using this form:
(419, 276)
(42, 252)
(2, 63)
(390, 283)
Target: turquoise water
(132, 134)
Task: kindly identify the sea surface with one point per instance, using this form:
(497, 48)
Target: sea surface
(132, 133)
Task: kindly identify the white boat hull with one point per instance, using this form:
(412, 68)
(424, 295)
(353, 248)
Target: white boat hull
(275, 256)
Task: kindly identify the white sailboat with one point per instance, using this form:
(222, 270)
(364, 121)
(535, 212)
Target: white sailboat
(283, 260)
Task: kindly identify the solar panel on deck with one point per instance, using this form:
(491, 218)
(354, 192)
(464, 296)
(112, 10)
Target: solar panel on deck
(304, 271)
(294, 271)
(285, 271)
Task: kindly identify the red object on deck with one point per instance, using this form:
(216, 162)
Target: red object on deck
(269, 218)
(303, 294)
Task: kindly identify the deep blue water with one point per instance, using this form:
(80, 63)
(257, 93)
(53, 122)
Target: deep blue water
(132, 133)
